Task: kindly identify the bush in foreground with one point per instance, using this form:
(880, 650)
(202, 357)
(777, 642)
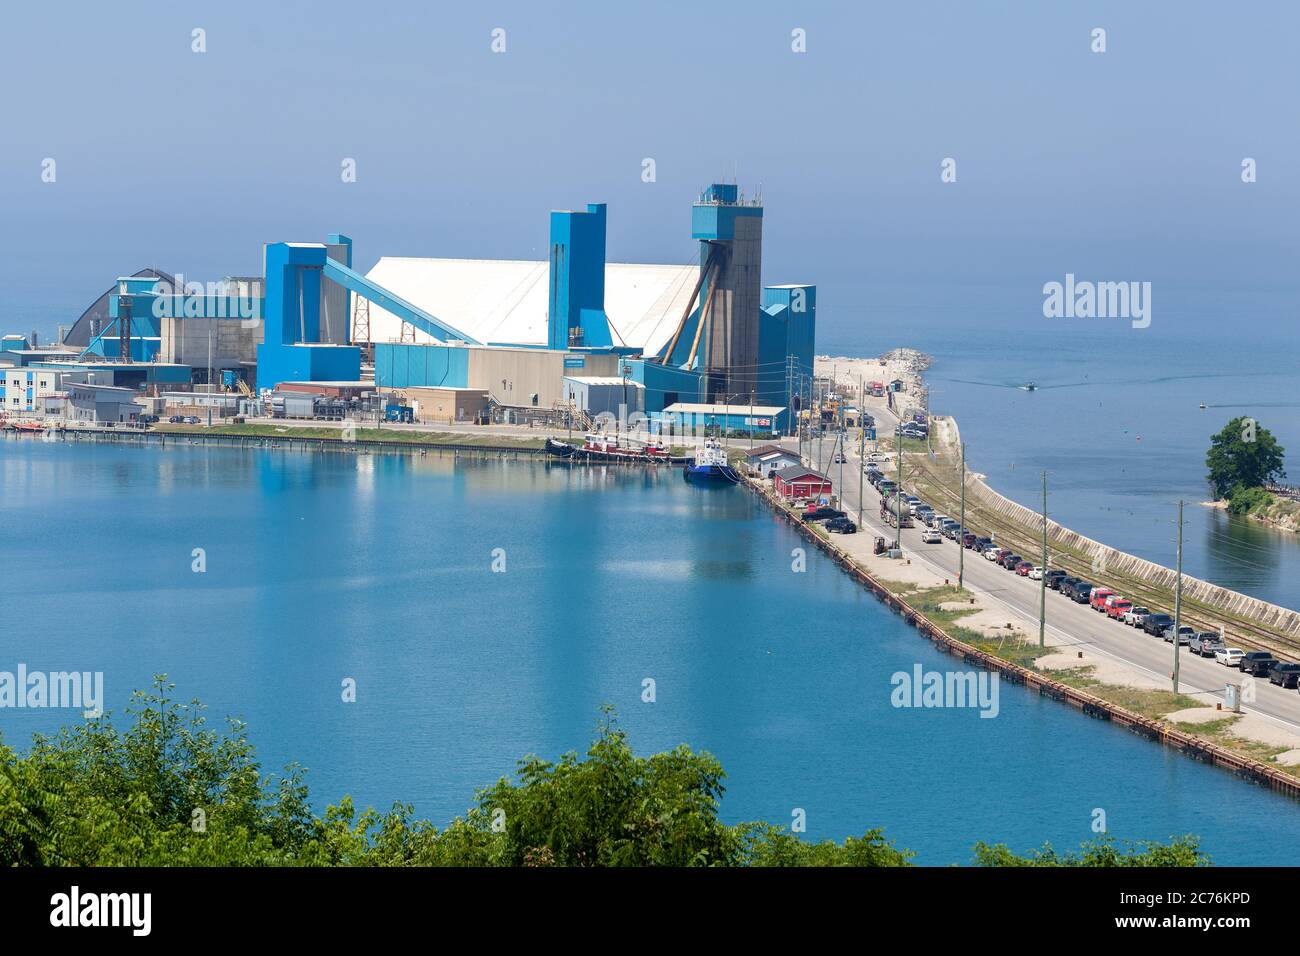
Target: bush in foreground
(170, 791)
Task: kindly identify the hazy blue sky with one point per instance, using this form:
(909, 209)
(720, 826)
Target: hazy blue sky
(1123, 165)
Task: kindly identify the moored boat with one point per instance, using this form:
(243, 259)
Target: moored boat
(710, 466)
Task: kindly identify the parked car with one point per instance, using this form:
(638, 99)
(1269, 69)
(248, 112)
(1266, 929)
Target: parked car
(983, 544)
(1035, 573)
(1023, 568)
(1205, 643)
(1155, 624)
(176, 419)
(841, 525)
(1185, 634)
(1067, 585)
(191, 419)
(996, 554)
(930, 536)
(822, 514)
(1098, 597)
(1284, 674)
(1010, 561)
(1257, 663)
(1082, 591)
(969, 539)
(1055, 577)
(1229, 656)
(1133, 616)
(1117, 609)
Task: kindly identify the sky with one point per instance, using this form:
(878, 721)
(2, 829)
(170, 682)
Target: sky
(1122, 165)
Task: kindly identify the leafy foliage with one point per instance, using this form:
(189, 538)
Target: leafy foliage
(1103, 851)
(170, 791)
(1243, 501)
(1243, 455)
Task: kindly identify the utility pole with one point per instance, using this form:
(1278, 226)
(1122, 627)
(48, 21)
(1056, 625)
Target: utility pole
(961, 545)
(1042, 581)
(1178, 593)
(898, 494)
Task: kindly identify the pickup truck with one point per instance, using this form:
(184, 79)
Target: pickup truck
(1204, 643)
(1133, 616)
(1257, 663)
(1155, 624)
(1284, 674)
(821, 514)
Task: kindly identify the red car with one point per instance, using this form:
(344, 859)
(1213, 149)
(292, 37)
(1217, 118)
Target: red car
(1117, 608)
(1098, 598)
(1023, 569)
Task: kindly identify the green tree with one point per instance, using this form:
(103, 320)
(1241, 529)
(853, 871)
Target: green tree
(1243, 455)
(170, 791)
(1103, 851)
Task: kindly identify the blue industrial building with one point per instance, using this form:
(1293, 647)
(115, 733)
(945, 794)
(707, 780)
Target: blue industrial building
(730, 341)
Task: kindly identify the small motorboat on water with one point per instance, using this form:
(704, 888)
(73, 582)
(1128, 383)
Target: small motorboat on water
(710, 466)
(1030, 387)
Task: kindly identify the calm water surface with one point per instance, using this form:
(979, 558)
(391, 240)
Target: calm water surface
(321, 567)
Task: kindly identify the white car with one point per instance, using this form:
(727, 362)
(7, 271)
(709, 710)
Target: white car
(1229, 656)
(992, 553)
(1036, 573)
(930, 536)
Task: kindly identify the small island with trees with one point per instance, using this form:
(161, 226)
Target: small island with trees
(1245, 464)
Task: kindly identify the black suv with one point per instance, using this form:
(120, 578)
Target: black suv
(1284, 674)
(1064, 585)
(1081, 592)
(1155, 624)
(1010, 561)
(842, 525)
(1055, 577)
(1257, 663)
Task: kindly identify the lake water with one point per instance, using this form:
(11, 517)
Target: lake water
(322, 567)
(1117, 425)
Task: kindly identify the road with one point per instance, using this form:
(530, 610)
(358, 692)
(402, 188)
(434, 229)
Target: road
(1072, 625)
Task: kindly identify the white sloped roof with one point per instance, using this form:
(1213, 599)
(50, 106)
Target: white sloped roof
(505, 300)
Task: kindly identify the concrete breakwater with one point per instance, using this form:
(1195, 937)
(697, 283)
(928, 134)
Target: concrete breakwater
(1107, 560)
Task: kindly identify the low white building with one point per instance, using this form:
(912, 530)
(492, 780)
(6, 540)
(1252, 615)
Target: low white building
(24, 387)
(101, 403)
(766, 460)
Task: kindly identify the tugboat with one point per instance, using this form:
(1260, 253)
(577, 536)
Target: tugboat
(710, 466)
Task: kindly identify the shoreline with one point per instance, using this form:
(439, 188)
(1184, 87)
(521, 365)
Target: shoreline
(1071, 680)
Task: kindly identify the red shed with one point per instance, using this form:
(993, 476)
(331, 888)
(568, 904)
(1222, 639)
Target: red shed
(799, 482)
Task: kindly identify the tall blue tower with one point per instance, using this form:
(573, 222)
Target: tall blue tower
(730, 229)
(576, 308)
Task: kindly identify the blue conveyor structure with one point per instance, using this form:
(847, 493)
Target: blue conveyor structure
(378, 295)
